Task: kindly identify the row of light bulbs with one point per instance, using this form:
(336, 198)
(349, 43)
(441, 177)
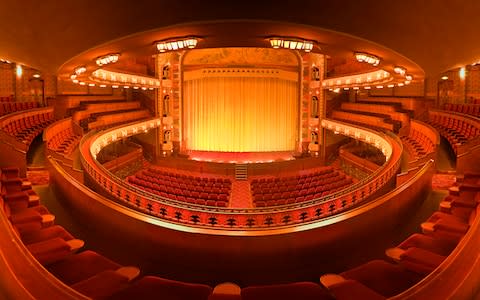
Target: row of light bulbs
(367, 58)
(291, 43)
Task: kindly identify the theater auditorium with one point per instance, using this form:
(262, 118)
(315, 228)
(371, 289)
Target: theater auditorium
(217, 150)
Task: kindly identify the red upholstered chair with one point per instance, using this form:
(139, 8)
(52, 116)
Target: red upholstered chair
(417, 260)
(53, 250)
(384, 278)
(449, 227)
(347, 289)
(81, 266)
(260, 203)
(226, 291)
(102, 285)
(297, 291)
(46, 234)
(429, 243)
(221, 203)
(150, 287)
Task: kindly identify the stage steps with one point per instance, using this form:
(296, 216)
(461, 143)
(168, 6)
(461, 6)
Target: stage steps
(241, 172)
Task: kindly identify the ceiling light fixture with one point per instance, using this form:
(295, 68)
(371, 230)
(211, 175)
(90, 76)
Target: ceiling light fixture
(409, 77)
(177, 44)
(367, 58)
(80, 70)
(399, 70)
(107, 59)
(291, 43)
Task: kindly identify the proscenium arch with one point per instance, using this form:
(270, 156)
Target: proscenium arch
(217, 78)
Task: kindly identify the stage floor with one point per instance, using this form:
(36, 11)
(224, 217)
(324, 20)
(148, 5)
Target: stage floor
(240, 157)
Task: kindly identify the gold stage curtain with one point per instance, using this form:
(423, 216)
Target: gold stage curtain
(240, 114)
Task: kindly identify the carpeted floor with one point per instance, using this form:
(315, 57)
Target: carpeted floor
(443, 181)
(38, 177)
(240, 196)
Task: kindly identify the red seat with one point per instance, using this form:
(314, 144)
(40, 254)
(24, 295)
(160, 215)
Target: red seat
(290, 291)
(81, 266)
(150, 287)
(384, 278)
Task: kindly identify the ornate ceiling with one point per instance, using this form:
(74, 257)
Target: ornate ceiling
(436, 35)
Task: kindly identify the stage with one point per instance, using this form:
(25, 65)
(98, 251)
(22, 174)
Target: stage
(240, 157)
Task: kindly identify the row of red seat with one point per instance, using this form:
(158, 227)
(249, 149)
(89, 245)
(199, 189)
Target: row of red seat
(286, 186)
(210, 196)
(455, 130)
(98, 277)
(27, 128)
(298, 196)
(64, 141)
(87, 272)
(183, 178)
(301, 178)
(165, 185)
(469, 109)
(11, 107)
(7, 99)
(419, 254)
(417, 144)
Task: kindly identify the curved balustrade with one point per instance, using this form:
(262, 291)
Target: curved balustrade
(368, 79)
(239, 219)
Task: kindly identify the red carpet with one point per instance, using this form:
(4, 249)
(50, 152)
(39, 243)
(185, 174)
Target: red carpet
(240, 157)
(443, 181)
(38, 177)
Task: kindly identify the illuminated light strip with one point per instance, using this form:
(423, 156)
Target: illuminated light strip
(291, 43)
(377, 77)
(126, 131)
(124, 79)
(177, 44)
(369, 137)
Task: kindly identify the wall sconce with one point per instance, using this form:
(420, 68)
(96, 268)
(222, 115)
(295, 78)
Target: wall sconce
(462, 73)
(107, 59)
(19, 71)
(177, 44)
(291, 43)
(367, 58)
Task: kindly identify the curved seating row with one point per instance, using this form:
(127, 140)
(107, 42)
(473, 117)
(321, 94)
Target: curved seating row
(24, 128)
(418, 255)
(417, 144)
(468, 109)
(272, 191)
(11, 107)
(456, 130)
(7, 99)
(98, 277)
(280, 193)
(64, 142)
(195, 190)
